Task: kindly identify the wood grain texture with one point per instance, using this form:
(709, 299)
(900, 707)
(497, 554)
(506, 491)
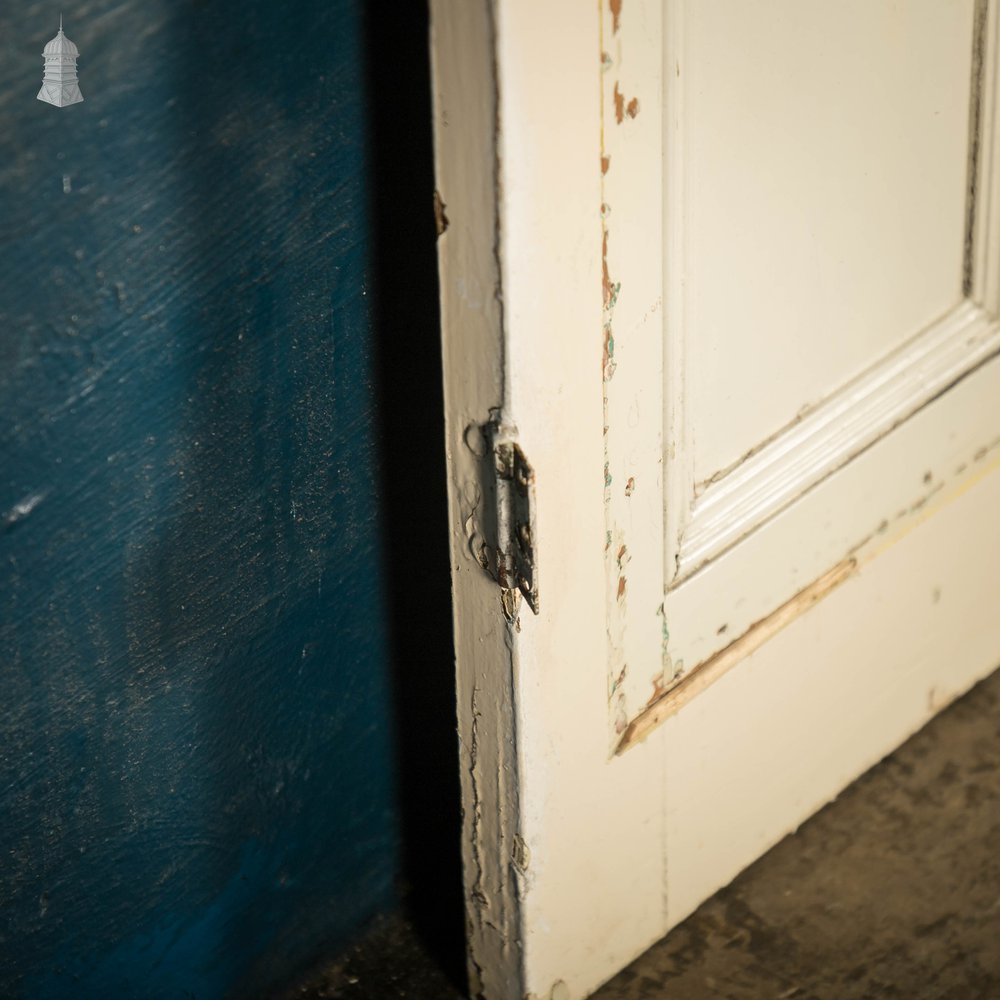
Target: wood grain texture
(195, 761)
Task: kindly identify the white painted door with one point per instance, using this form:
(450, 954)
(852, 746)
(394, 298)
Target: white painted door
(727, 271)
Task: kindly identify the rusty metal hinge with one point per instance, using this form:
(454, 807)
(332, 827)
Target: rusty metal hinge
(516, 540)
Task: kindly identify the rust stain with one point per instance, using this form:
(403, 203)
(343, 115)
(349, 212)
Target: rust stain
(633, 108)
(621, 587)
(630, 486)
(621, 554)
(616, 15)
(605, 163)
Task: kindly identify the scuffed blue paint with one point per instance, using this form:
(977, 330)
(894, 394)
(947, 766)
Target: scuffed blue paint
(196, 778)
(191, 957)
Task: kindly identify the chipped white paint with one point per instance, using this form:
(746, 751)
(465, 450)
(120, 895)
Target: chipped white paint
(577, 860)
(632, 358)
(462, 41)
(732, 543)
(844, 425)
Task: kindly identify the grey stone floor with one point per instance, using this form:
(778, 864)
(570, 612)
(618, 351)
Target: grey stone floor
(891, 891)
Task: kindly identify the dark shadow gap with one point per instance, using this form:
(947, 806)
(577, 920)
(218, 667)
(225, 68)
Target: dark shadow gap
(411, 408)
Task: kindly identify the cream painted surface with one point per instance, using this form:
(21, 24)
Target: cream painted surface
(742, 545)
(576, 860)
(466, 166)
(824, 209)
(631, 373)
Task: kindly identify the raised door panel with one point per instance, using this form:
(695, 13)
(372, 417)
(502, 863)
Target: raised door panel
(796, 286)
(825, 152)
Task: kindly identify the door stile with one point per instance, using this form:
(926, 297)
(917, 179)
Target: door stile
(462, 43)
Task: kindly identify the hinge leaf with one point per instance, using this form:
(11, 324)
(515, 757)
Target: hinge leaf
(516, 524)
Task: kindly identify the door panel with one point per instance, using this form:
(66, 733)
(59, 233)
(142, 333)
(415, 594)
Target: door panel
(710, 662)
(825, 276)
(823, 207)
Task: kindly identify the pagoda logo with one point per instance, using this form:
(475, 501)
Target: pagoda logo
(59, 85)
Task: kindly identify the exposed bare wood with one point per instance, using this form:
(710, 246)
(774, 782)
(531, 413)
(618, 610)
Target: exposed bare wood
(716, 665)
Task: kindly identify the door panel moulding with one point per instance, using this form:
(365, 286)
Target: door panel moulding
(831, 435)
(665, 621)
(929, 459)
(732, 503)
(727, 658)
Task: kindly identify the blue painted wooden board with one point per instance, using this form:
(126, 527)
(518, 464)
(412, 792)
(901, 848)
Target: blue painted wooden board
(196, 781)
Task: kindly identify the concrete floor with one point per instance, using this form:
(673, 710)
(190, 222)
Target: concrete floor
(891, 891)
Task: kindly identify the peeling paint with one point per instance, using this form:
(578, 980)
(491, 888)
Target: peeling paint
(476, 891)
(475, 440)
(616, 15)
(440, 218)
(669, 698)
(520, 855)
(623, 109)
(559, 991)
(621, 714)
(659, 688)
(510, 602)
(611, 290)
(619, 99)
(606, 285)
(614, 108)
(618, 681)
